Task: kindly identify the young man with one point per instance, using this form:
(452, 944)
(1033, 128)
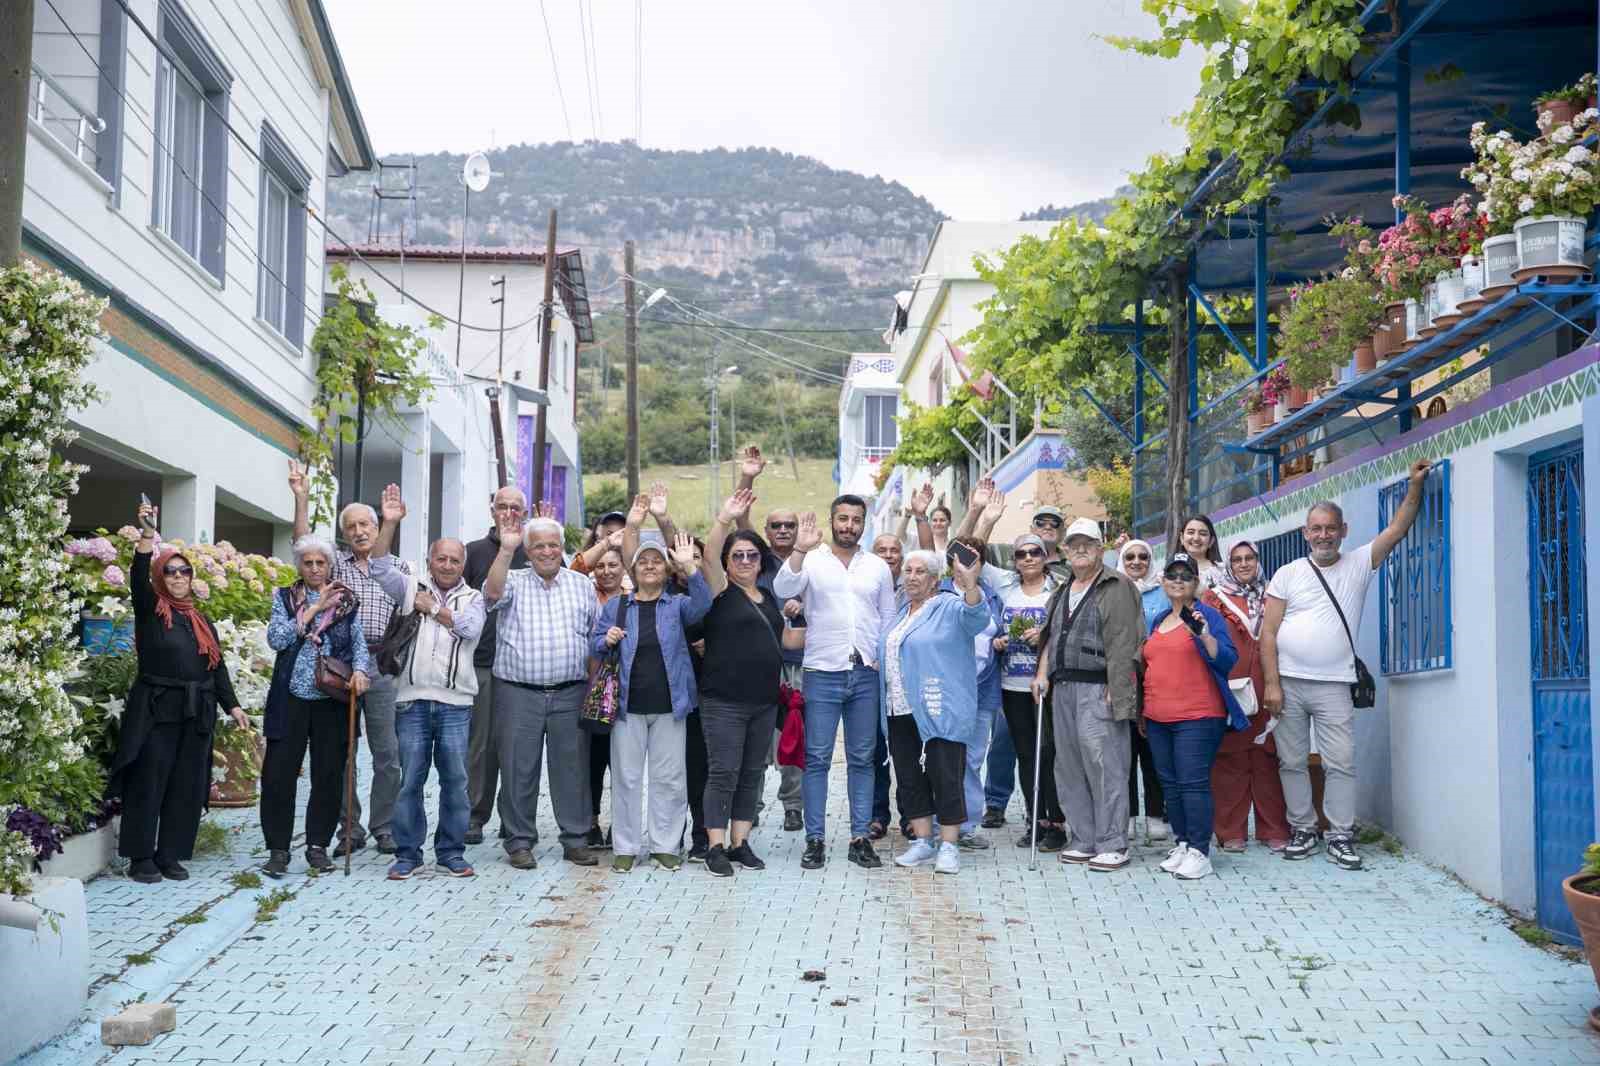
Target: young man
(1309, 665)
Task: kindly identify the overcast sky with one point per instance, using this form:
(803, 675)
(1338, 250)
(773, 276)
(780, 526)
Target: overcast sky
(986, 107)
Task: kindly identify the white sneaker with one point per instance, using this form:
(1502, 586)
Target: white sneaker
(949, 860)
(1109, 860)
(1196, 864)
(920, 853)
(1074, 856)
(1156, 829)
(1175, 857)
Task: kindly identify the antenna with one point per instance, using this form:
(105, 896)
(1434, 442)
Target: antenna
(385, 189)
(475, 173)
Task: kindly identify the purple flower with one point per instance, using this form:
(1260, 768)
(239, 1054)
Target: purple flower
(113, 576)
(44, 836)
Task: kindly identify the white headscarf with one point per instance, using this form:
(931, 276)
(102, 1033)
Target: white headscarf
(1151, 579)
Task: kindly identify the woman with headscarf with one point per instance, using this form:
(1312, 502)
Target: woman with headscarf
(314, 618)
(162, 769)
(1134, 560)
(1245, 773)
(607, 573)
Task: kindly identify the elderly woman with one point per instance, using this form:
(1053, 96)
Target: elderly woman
(929, 701)
(1025, 601)
(646, 628)
(314, 618)
(1188, 706)
(1245, 774)
(162, 769)
(1134, 560)
(607, 573)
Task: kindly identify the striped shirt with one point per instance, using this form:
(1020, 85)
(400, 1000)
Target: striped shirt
(543, 633)
(375, 607)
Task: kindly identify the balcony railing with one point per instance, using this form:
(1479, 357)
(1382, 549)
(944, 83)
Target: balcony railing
(74, 126)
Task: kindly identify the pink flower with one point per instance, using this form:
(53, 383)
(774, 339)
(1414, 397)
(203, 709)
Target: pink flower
(113, 576)
(202, 591)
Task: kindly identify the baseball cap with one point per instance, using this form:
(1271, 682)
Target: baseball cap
(1047, 511)
(1028, 540)
(647, 546)
(1180, 561)
(1083, 527)
(611, 516)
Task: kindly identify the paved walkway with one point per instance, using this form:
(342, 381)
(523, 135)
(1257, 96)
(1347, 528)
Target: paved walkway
(1267, 962)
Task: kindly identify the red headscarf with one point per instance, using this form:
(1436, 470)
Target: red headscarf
(166, 603)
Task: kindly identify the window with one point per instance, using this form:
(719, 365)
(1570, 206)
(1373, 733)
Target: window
(936, 384)
(1276, 551)
(1414, 581)
(880, 433)
(280, 239)
(191, 141)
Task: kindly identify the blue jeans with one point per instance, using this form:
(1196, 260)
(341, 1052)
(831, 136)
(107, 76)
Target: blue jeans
(880, 780)
(977, 752)
(1002, 768)
(831, 696)
(1183, 753)
(434, 732)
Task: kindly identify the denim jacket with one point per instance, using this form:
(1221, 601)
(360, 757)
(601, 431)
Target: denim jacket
(936, 667)
(989, 678)
(674, 611)
(1219, 667)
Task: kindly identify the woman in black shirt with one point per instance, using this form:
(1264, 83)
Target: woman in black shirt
(163, 766)
(744, 638)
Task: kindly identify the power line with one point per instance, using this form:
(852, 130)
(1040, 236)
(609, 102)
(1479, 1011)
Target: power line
(638, 72)
(594, 48)
(791, 340)
(764, 352)
(556, 70)
(588, 77)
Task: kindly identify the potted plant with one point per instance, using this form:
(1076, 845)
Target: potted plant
(236, 757)
(1582, 892)
(1275, 392)
(1255, 412)
(1563, 104)
(1540, 194)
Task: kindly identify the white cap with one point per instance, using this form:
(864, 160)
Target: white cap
(648, 546)
(1083, 527)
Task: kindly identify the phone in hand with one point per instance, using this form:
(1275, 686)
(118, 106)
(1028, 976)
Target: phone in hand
(962, 552)
(148, 521)
(1192, 619)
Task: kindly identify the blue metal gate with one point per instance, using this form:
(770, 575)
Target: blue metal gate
(1563, 758)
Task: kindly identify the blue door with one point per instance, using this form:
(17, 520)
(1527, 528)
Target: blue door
(1563, 758)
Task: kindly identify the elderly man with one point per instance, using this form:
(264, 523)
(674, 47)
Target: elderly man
(541, 661)
(1089, 661)
(1309, 623)
(358, 523)
(434, 694)
(483, 762)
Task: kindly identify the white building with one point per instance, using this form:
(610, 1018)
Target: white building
(454, 432)
(868, 406)
(168, 175)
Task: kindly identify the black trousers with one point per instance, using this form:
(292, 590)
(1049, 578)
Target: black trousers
(736, 736)
(1143, 763)
(321, 725)
(1021, 712)
(599, 763)
(697, 767)
(163, 792)
(931, 776)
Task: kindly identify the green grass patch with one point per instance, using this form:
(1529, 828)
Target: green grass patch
(687, 488)
(245, 879)
(212, 839)
(1533, 934)
(140, 958)
(194, 917)
(267, 906)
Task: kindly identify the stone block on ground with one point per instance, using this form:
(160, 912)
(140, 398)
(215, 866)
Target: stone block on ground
(139, 1023)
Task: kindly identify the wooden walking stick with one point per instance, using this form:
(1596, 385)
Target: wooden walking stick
(349, 780)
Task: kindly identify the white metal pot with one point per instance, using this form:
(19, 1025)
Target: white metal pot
(1550, 246)
(1447, 294)
(1427, 307)
(1471, 284)
(1413, 320)
(1499, 262)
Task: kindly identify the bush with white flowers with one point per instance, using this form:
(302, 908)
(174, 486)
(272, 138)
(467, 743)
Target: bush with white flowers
(48, 326)
(1553, 174)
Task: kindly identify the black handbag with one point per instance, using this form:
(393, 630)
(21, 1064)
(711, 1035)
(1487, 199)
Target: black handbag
(398, 637)
(1364, 690)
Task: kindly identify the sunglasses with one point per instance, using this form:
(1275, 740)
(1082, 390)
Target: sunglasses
(1028, 553)
(177, 570)
(1184, 576)
(1047, 523)
(783, 525)
(1137, 558)
(744, 557)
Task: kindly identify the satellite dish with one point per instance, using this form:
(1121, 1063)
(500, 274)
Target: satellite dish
(475, 173)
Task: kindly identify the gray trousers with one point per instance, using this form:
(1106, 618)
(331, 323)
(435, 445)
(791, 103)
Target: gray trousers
(788, 776)
(377, 726)
(483, 764)
(1328, 704)
(1093, 753)
(527, 724)
(648, 745)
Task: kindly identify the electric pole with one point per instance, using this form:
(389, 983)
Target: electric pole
(16, 74)
(499, 379)
(631, 341)
(713, 444)
(547, 327)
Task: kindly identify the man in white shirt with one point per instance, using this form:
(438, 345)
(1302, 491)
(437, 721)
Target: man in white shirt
(1309, 663)
(849, 598)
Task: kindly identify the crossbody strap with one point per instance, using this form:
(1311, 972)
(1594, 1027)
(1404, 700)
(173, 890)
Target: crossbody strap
(1315, 569)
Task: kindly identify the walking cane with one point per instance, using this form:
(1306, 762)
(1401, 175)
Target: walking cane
(1038, 753)
(350, 780)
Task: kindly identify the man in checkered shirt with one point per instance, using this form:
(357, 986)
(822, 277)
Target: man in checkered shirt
(358, 523)
(541, 663)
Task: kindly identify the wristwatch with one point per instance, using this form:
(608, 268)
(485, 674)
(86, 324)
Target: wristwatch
(435, 612)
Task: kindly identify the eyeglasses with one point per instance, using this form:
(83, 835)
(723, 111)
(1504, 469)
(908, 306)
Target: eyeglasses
(1182, 577)
(782, 525)
(1079, 547)
(1047, 522)
(177, 570)
(509, 508)
(1028, 553)
(1137, 558)
(744, 557)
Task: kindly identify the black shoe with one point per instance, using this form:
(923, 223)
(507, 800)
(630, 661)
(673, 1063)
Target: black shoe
(174, 871)
(699, 852)
(1302, 844)
(386, 844)
(277, 864)
(815, 854)
(993, 818)
(144, 871)
(1342, 852)
(876, 831)
(716, 860)
(792, 822)
(863, 855)
(345, 847)
(745, 857)
(594, 838)
(608, 838)
(1050, 839)
(474, 835)
(522, 860)
(317, 859)
(578, 855)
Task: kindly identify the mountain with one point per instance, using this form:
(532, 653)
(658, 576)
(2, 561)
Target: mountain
(1088, 211)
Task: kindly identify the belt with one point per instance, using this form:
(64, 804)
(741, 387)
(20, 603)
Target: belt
(855, 658)
(1092, 677)
(557, 687)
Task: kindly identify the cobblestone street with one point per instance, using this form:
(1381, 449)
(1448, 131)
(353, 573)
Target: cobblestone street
(1267, 962)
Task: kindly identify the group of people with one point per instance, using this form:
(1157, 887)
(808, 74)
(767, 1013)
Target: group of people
(956, 673)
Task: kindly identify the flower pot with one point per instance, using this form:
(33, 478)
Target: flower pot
(103, 635)
(1298, 397)
(1268, 415)
(1585, 908)
(1425, 310)
(1366, 359)
(1448, 289)
(1380, 344)
(241, 773)
(1413, 324)
(1471, 285)
(1253, 423)
(1549, 246)
(1559, 111)
(85, 855)
(1280, 410)
(1499, 262)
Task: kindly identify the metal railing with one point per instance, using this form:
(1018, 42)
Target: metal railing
(80, 120)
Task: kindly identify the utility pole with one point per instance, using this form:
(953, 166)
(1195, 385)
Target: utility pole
(713, 444)
(788, 441)
(16, 74)
(547, 327)
(631, 341)
(499, 379)
(461, 280)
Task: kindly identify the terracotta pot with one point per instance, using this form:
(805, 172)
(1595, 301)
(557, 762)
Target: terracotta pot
(1298, 397)
(1585, 908)
(1269, 417)
(1253, 423)
(1591, 100)
(1366, 359)
(241, 774)
(1559, 111)
(1380, 344)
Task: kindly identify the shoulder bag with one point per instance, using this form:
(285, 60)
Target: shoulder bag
(1364, 690)
(1244, 689)
(398, 637)
(603, 702)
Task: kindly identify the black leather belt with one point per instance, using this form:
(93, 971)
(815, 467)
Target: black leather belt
(855, 658)
(557, 687)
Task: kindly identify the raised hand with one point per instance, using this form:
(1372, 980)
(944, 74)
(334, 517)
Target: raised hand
(298, 485)
(982, 492)
(391, 506)
(148, 518)
(509, 525)
(995, 507)
(614, 539)
(808, 536)
(683, 553)
(640, 508)
(1419, 471)
(545, 509)
(965, 577)
(752, 463)
(736, 506)
(921, 499)
(658, 500)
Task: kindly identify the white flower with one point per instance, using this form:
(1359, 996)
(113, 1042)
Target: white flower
(1578, 154)
(1521, 174)
(1525, 205)
(1562, 134)
(1561, 187)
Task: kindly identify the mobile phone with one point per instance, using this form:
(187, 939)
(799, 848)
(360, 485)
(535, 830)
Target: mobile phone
(966, 555)
(148, 521)
(1192, 619)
